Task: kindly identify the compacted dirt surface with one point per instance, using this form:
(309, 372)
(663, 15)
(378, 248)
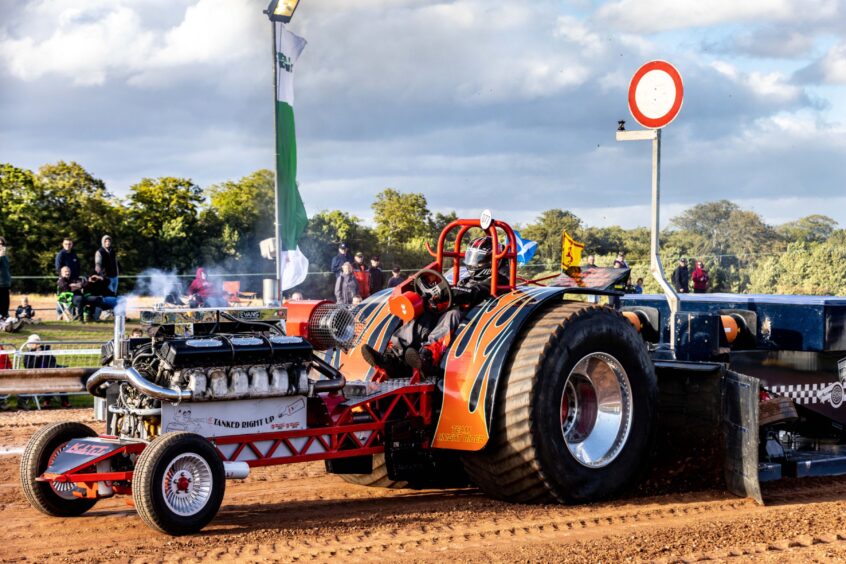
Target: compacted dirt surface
(299, 513)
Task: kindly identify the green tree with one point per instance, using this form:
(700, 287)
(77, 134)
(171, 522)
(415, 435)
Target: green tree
(547, 230)
(809, 229)
(78, 206)
(400, 217)
(243, 215)
(804, 268)
(165, 216)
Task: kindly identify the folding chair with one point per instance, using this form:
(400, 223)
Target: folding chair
(232, 289)
(64, 306)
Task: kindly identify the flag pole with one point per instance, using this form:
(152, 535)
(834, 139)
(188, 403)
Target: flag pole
(278, 235)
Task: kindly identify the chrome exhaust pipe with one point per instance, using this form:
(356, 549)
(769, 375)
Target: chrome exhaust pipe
(132, 377)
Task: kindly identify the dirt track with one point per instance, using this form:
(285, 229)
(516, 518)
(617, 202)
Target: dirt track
(298, 513)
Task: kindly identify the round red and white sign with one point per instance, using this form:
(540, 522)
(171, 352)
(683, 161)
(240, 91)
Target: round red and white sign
(655, 94)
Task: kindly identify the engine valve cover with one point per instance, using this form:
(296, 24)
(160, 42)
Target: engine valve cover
(233, 350)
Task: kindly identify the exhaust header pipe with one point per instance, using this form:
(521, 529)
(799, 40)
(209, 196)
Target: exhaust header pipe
(132, 377)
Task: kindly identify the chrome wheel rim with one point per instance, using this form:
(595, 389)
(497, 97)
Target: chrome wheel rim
(596, 410)
(187, 484)
(62, 489)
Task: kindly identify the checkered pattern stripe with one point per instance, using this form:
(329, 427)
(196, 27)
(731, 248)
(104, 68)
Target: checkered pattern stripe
(804, 394)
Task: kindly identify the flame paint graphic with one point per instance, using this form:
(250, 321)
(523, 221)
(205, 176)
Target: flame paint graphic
(376, 324)
(478, 352)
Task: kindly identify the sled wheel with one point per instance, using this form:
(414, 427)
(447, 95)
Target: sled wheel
(378, 478)
(44, 446)
(575, 413)
(178, 483)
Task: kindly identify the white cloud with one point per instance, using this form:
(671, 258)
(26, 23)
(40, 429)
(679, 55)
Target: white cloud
(831, 68)
(774, 86)
(650, 16)
(95, 41)
(83, 53)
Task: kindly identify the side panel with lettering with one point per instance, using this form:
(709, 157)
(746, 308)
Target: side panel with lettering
(239, 417)
(79, 452)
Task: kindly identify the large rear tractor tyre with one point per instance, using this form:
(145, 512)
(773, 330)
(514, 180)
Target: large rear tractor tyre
(574, 415)
(53, 499)
(178, 483)
(378, 478)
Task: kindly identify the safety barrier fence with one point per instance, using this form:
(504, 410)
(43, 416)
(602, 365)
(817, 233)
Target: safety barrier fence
(36, 369)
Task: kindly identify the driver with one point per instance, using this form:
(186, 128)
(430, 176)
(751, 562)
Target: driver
(420, 343)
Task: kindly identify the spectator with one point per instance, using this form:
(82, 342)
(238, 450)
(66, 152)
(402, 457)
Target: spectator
(81, 305)
(638, 287)
(202, 293)
(37, 357)
(377, 277)
(360, 272)
(356, 300)
(396, 277)
(106, 263)
(591, 261)
(5, 280)
(621, 258)
(100, 290)
(618, 264)
(700, 279)
(137, 333)
(681, 277)
(346, 286)
(339, 259)
(34, 360)
(25, 311)
(67, 257)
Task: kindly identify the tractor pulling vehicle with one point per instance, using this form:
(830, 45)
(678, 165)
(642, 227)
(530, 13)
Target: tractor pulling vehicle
(538, 398)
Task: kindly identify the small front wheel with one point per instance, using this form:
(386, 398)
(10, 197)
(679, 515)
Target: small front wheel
(178, 483)
(52, 498)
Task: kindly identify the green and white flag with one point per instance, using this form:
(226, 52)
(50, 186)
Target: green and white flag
(290, 211)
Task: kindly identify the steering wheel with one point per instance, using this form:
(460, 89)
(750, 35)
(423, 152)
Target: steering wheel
(433, 286)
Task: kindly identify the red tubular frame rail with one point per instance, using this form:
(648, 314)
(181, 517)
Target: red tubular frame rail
(508, 252)
(338, 440)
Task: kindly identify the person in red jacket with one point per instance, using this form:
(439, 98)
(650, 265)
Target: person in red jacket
(202, 293)
(361, 275)
(700, 279)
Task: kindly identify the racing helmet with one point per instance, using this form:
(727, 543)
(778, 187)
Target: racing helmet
(478, 254)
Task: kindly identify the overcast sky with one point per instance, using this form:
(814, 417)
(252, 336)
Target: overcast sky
(475, 103)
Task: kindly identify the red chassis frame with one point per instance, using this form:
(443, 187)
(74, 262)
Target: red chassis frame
(338, 438)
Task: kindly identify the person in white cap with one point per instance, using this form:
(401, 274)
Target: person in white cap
(35, 357)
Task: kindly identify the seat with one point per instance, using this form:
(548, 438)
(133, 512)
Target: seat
(64, 306)
(234, 295)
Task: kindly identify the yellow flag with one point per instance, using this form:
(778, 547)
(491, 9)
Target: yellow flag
(571, 251)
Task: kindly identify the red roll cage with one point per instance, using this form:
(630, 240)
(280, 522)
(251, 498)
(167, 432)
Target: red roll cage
(508, 251)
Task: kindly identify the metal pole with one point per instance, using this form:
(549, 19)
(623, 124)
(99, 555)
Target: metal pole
(279, 264)
(655, 266)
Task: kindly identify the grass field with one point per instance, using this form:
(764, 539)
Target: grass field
(49, 329)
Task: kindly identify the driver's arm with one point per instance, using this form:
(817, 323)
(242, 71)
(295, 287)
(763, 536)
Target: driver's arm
(471, 293)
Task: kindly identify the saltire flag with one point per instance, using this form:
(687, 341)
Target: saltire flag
(290, 212)
(571, 251)
(525, 249)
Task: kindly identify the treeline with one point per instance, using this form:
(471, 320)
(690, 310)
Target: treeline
(173, 224)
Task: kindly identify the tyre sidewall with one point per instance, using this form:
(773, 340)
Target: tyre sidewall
(35, 461)
(597, 330)
(169, 521)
